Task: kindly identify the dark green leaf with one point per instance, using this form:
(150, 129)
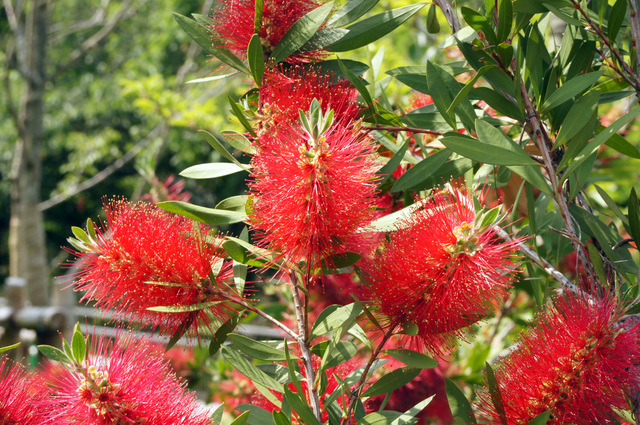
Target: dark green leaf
(616, 18)
(357, 83)
(279, 418)
(215, 143)
(412, 358)
(496, 396)
(256, 349)
(612, 205)
(596, 262)
(479, 23)
(339, 261)
(571, 89)
(203, 37)
(541, 419)
(462, 94)
(391, 381)
(255, 57)
(620, 144)
(387, 170)
(177, 334)
(245, 253)
(54, 353)
(323, 39)
(427, 120)
(300, 32)
(248, 369)
(242, 419)
(586, 106)
(258, 416)
(458, 403)
(234, 203)
(440, 92)
(417, 174)
(447, 171)
(301, 407)
(433, 26)
(221, 334)
(209, 216)
(634, 217)
(351, 11)
(372, 28)
(240, 115)
(211, 170)
(505, 20)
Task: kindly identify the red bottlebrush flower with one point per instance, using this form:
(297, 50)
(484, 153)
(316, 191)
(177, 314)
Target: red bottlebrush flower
(23, 396)
(234, 25)
(146, 257)
(284, 93)
(125, 382)
(578, 362)
(440, 270)
(310, 197)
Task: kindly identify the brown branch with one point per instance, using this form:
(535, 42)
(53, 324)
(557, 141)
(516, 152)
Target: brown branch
(634, 15)
(449, 13)
(407, 129)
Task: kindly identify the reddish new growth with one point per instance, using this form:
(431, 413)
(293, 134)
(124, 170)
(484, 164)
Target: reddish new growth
(234, 25)
(440, 271)
(310, 196)
(125, 382)
(145, 257)
(283, 94)
(22, 396)
(578, 362)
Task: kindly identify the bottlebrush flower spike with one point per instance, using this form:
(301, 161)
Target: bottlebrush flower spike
(577, 361)
(234, 25)
(23, 396)
(442, 270)
(313, 186)
(123, 382)
(144, 258)
(284, 93)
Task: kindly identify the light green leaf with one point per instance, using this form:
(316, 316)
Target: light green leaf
(9, 347)
(233, 203)
(209, 216)
(412, 358)
(54, 353)
(184, 308)
(239, 142)
(391, 381)
(245, 253)
(300, 32)
(334, 320)
(212, 78)
(481, 151)
(78, 344)
(351, 11)
(571, 89)
(341, 353)
(372, 28)
(211, 170)
(255, 57)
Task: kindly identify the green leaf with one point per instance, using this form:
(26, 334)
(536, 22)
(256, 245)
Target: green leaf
(233, 203)
(300, 32)
(597, 141)
(387, 170)
(9, 347)
(479, 23)
(216, 416)
(612, 205)
(440, 92)
(496, 396)
(245, 253)
(279, 418)
(184, 308)
(248, 369)
(256, 349)
(341, 353)
(620, 144)
(54, 353)
(240, 115)
(210, 216)
(391, 381)
(323, 39)
(258, 416)
(242, 419)
(586, 106)
(412, 358)
(239, 141)
(357, 83)
(222, 333)
(81, 235)
(78, 344)
(301, 407)
(204, 38)
(211, 170)
(596, 262)
(336, 318)
(462, 94)
(532, 175)
(351, 11)
(616, 18)
(372, 28)
(458, 403)
(255, 57)
(339, 261)
(571, 89)
(383, 417)
(420, 172)
(449, 170)
(505, 20)
(634, 217)
(215, 143)
(541, 419)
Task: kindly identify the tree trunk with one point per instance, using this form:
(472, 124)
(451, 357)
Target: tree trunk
(28, 258)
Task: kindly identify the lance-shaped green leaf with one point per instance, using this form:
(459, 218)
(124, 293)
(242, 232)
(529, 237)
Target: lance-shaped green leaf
(372, 28)
(334, 317)
(541, 419)
(462, 94)
(240, 115)
(257, 349)
(301, 407)
(458, 403)
(616, 18)
(255, 57)
(575, 120)
(245, 253)
(571, 89)
(420, 172)
(351, 11)
(184, 308)
(341, 353)
(199, 33)
(323, 39)
(300, 32)
(440, 92)
(479, 23)
(242, 419)
(239, 362)
(78, 344)
(222, 333)
(258, 416)
(392, 381)
(9, 347)
(239, 141)
(210, 216)
(496, 396)
(233, 203)
(357, 83)
(387, 170)
(215, 143)
(412, 358)
(634, 216)
(505, 19)
(211, 170)
(54, 353)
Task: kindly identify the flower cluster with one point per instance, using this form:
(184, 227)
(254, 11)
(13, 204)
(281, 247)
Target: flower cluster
(577, 362)
(147, 258)
(123, 382)
(22, 396)
(440, 271)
